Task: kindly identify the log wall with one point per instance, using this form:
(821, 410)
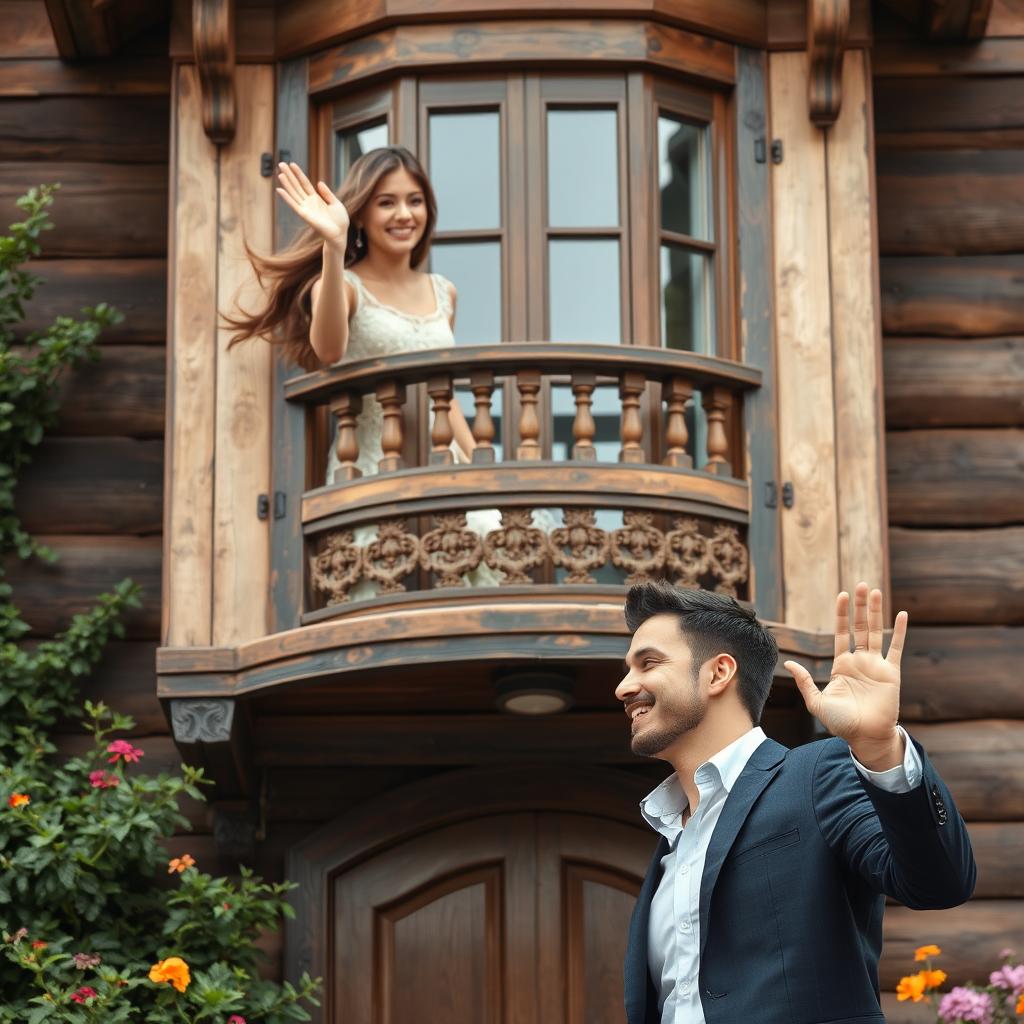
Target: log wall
(949, 139)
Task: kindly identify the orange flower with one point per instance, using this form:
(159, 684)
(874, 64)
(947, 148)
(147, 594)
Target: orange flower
(19, 799)
(924, 952)
(1020, 1004)
(933, 979)
(174, 970)
(180, 863)
(911, 987)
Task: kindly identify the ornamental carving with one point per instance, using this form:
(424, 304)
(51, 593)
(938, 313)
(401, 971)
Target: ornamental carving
(337, 567)
(579, 546)
(639, 547)
(686, 552)
(202, 721)
(451, 549)
(391, 557)
(517, 547)
(730, 561)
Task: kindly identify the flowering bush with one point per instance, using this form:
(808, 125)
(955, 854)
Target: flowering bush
(88, 935)
(1001, 1001)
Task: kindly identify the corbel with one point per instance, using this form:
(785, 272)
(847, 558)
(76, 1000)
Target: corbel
(213, 44)
(212, 734)
(828, 22)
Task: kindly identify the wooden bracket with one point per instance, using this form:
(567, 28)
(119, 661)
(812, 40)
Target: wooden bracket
(213, 43)
(212, 734)
(828, 23)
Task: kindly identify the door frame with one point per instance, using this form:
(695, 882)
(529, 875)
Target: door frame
(425, 805)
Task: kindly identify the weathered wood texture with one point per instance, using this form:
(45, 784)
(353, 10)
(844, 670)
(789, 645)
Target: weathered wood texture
(103, 210)
(971, 577)
(137, 287)
(107, 485)
(961, 296)
(941, 382)
(804, 350)
(962, 672)
(27, 31)
(956, 477)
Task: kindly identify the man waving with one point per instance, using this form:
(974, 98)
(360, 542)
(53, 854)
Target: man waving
(764, 899)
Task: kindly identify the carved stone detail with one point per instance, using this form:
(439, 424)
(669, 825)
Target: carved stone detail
(451, 549)
(337, 567)
(730, 560)
(392, 556)
(828, 22)
(587, 545)
(213, 44)
(639, 547)
(202, 721)
(686, 552)
(517, 547)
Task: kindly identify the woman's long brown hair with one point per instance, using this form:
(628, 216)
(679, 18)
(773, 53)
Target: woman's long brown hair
(287, 277)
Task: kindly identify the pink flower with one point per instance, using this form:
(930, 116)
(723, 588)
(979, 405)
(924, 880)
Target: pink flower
(236, 1018)
(83, 961)
(1011, 978)
(122, 748)
(100, 779)
(964, 1004)
(1007, 954)
(84, 993)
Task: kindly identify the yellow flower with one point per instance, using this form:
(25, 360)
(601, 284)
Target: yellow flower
(180, 863)
(924, 952)
(933, 979)
(911, 987)
(174, 970)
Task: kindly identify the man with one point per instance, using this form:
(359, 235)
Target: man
(764, 899)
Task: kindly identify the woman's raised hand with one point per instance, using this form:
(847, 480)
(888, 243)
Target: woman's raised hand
(319, 207)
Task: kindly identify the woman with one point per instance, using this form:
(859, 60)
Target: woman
(348, 288)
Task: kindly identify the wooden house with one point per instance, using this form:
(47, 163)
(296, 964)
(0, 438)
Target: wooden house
(741, 304)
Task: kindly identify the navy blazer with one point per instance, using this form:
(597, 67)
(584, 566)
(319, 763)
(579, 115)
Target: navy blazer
(794, 884)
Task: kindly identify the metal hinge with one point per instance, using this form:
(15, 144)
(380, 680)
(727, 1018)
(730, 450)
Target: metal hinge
(776, 151)
(280, 505)
(761, 150)
(787, 495)
(266, 164)
(771, 494)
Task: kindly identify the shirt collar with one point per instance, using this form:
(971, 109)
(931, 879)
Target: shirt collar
(663, 807)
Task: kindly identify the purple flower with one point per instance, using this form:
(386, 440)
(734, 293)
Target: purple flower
(964, 1004)
(1011, 978)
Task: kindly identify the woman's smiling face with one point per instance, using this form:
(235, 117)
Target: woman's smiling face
(396, 215)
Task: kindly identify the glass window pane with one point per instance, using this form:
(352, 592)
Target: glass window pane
(683, 179)
(583, 286)
(684, 299)
(606, 410)
(352, 143)
(475, 270)
(465, 155)
(583, 168)
(467, 403)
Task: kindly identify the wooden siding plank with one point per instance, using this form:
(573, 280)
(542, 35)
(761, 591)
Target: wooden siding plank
(137, 287)
(192, 374)
(956, 477)
(856, 334)
(241, 556)
(962, 296)
(121, 76)
(921, 105)
(950, 202)
(125, 680)
(966, 577)
(913, 59)
(758, 333)
(101, 210)
(804, 347)
(93, 485)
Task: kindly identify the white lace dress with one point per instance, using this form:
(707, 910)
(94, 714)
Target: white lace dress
(376, 329)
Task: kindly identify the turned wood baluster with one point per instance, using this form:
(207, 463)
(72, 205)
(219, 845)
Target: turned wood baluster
(440, 391)
(528, 383)
(346, 407)
(391, 396)
(631, 387)
(677, 392)
(717, 402)
(482, 384)
(583, 427)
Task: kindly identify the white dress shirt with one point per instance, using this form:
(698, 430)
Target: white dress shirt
(673, 940)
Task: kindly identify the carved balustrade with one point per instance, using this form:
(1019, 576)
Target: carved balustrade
(669, 507)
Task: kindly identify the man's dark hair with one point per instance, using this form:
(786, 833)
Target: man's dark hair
(713, 624)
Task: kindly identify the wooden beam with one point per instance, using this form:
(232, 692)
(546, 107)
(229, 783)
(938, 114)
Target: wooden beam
(956, 20)
(213, 42)
(828, 24)
(86, 29)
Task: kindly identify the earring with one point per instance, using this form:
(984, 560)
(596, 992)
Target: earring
(361, 239)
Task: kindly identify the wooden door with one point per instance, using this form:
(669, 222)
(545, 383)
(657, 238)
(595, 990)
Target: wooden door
(504, 919)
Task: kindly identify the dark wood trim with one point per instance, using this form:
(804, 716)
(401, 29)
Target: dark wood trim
(85, 28)
(213, 45)
(519, 45)
(906, 59)
(828, 24)
(288, 439)
(756, 310)
(956, 20)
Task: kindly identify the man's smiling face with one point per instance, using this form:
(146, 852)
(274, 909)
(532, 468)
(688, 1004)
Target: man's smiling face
(661, 691)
